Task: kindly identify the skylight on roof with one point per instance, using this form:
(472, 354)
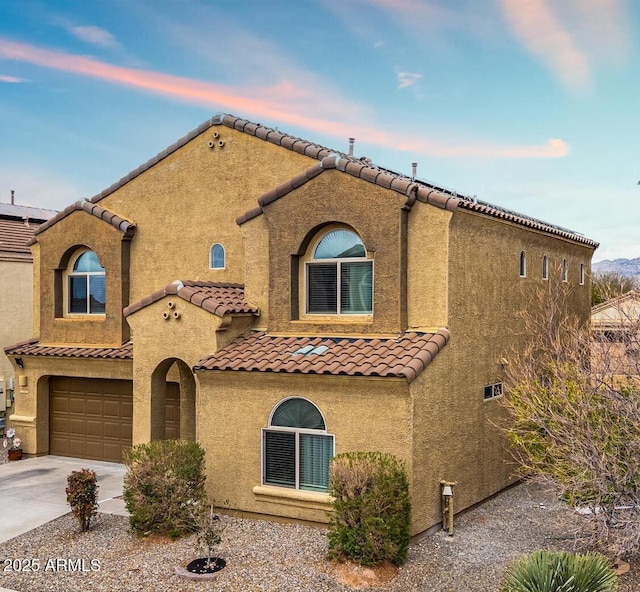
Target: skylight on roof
(309, 350)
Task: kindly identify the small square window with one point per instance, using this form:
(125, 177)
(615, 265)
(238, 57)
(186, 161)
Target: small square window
(492, 391)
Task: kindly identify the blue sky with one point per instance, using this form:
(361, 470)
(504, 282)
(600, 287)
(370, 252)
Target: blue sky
(529, 104)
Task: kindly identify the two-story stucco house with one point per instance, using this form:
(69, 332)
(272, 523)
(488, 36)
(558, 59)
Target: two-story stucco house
(281, 302)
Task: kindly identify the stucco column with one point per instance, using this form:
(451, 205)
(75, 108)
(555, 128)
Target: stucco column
(187, 403)
(149, 393)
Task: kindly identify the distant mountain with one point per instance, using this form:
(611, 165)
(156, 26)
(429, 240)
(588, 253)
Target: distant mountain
(625, 267)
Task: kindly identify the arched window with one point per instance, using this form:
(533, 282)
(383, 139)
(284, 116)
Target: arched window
(565, 271)
(545, 268)
(296, 448)
(523, 264)
(86, 293)
(582, 274)
(339, 277)
(217, 258)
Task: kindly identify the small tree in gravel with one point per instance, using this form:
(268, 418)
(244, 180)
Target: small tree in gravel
(372, 510)
(82, 496)
(209, 530)
(163, 486)
(575, 421)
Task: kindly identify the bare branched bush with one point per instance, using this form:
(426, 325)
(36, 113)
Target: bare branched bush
(611, 284)
(575, 414)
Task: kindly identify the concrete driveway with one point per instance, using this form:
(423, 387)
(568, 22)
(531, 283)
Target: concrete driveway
(32, 491)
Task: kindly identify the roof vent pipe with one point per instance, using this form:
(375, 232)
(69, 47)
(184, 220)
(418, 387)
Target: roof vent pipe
(414, 168)
(12, 196)
(351, 142)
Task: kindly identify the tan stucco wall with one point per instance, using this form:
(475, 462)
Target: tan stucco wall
(338, 198)
(485, 297)
(57, 245)
(256, 277)
(233, 407)
(158, 342)
(16, 308)
(191, 200)
(428, 267)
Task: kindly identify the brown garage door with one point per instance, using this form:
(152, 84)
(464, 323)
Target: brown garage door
(91, 417)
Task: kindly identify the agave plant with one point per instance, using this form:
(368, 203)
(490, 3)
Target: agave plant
(547, 571)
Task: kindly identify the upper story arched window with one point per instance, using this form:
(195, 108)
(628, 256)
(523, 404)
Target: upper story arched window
(523, 264)
(339, 276)
(217, 257)
(86, 285)
(296, 447)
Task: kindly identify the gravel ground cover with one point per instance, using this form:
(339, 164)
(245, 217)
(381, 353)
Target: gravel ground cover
(266, 556)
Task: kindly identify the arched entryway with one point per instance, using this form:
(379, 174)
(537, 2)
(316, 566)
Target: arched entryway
(173, 401)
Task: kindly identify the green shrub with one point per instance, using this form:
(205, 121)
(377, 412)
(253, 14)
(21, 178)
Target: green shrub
(547, 571)
(82, 496)
(372, 511)
(164, 487)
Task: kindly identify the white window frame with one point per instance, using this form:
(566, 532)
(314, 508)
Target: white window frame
(67, 289)
(582, 274)
(224, 256)
(497, 390)
(338, 263)
(523, 264)
(297, 432)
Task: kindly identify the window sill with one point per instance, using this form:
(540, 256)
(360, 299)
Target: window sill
(293, 497)
(335, 319)
(82, 317)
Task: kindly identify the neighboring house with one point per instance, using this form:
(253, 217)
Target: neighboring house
(281, 302)
(615, 325)
(17, 225)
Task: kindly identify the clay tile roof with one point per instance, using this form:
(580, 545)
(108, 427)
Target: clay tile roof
(482, 207)
(259, 352)
(413, 189)
(215, 297)
(34, 348)
(125, 226)
(17, 226)
(14, 240)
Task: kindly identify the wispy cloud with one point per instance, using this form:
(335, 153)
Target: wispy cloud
(285, 103)
(253, 61)
(562, 36)
(407, 79)
(539, 29)
(94, 35)
(11, 79)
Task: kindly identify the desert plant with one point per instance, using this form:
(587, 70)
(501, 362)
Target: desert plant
(163, 484)
(547, 571)
(372, 511)
(82, 496)
(575, 423)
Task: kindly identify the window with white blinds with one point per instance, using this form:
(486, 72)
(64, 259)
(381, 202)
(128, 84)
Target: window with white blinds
(339, 278)
(296, 449)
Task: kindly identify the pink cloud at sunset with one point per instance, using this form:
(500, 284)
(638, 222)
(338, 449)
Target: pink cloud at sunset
(283, 102)
(563, 40)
